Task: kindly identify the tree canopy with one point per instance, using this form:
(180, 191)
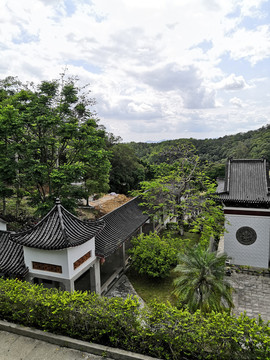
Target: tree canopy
(181, 190)
(214, 152)
(49, 140)
(127, 170)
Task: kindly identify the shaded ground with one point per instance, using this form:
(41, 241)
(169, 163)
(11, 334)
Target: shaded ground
(123, 288)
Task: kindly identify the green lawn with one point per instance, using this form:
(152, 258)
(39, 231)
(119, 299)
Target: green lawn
(161, 289)
(149, 289)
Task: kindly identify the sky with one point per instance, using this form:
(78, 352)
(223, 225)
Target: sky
(158, 69)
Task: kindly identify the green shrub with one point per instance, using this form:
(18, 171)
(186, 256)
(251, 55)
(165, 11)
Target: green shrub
(78, 314)
(152, 255)
(159, 330)
(170, 333)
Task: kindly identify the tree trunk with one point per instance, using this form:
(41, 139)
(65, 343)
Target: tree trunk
(4, 209)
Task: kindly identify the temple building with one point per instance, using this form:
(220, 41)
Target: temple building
(246, 199)
(71, 254)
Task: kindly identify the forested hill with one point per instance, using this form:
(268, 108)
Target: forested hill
(252, 144)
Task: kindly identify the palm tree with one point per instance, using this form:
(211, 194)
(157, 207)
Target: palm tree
(201, 283)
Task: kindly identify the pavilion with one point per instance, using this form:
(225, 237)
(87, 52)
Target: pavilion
(65, 252)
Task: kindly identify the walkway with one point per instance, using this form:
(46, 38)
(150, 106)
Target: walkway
(252, 295)
(22, 343)
(17, 347)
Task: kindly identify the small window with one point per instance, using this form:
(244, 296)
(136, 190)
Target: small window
(47, 267)
(81, 260)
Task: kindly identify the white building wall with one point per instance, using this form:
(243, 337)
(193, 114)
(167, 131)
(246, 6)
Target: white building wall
(54, 257)
(64, 258)
(3, 225)
(76, 253)
(256, 254)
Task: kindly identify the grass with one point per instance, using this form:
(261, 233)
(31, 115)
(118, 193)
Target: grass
(161, 289)
(149, 289)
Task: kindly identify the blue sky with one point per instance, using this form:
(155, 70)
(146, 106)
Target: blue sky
(158, 69)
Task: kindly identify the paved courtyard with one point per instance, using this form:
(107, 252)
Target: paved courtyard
(252, 295)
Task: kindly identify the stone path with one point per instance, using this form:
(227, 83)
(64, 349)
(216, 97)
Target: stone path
(252, 295)
(123, 288)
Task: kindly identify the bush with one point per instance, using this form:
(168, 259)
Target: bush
(158, 330)
(170, 333)
(153, 256)
(82, 315)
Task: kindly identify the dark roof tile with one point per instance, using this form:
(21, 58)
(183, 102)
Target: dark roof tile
(12, 257)
(246, 181)
(120, 225)
(59, 229)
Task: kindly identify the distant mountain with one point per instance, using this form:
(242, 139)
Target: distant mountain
(252, 144)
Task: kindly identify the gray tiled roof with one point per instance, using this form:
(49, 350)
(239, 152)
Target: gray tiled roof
(246, 181)
(59, 229)
(12, 258)
(120, 225)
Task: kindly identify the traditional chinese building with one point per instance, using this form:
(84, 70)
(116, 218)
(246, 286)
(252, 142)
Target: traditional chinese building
(246, 199)
(65, 252)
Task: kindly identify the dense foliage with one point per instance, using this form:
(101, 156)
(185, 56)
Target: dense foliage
(49, 140)
(201, 283)
(180, 189)
(252, 144)
(153, 255)
(127, 171)
(158, 330)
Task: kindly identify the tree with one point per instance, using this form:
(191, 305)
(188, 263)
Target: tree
(152, 255)
(182, 190)
(127, 171)
(201, 283)
(58, 141)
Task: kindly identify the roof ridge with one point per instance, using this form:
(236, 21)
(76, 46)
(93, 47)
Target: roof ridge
(59, 210)
(247, 160)
(37, 224)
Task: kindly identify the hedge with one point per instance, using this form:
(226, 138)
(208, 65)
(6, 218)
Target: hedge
(158, 330)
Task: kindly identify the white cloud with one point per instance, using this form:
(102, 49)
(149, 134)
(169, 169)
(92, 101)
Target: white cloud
(232, 82)
(253, 45)
(236, 102)
(155, 66)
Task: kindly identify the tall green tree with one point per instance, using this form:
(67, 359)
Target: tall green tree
(201, 283)
(182, 190)
(127, 171)
(10, 132)
(58, 141)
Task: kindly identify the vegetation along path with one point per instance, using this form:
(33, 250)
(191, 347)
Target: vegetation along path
(252, 294)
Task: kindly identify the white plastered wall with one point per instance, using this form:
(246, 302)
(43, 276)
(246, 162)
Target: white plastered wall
(3, 225)
(256, 254)
(64, 258)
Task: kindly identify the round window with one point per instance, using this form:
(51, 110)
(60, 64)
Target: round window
(246, 235)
